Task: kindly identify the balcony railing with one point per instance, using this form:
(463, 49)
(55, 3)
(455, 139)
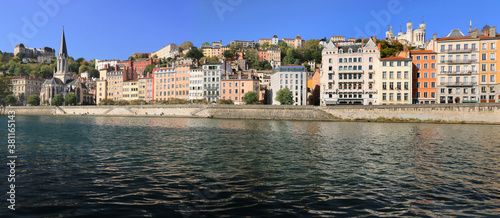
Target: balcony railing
(458, 61)
(459, 50)
(459, 84)
(459, 72)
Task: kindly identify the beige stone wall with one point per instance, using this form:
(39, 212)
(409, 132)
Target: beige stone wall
(467, 113)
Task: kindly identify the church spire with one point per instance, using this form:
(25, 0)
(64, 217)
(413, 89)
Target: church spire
(62, 47)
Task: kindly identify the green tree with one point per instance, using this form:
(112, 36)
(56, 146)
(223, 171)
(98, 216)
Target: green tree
(107, 102)
(10, 99)
(290, 57)
(194, 53)
(251, 97)
(206, 44)
(20, 55)
(70, 99)
(34, 100)
(185, 45)
(155, 56)
(149, 69)
(265, 45)
(57, 100)
(5, 86)
(266, 65)
(229, 53)
(284, 96)
(251, 54)
(131, 58)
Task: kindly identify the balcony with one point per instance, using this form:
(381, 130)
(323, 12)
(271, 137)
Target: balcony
(459, 84)
(458, 50)
(459, 72)
(458, 61)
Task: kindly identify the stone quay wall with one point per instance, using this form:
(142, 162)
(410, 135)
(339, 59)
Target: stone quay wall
(452, 113)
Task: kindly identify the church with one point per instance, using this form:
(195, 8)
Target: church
(62, 82)
(412, 37)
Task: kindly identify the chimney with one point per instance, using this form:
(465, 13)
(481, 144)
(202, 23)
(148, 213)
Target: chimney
(434, 37)
(375, 39)
(362, 41)
(379, 46)
(493, 31)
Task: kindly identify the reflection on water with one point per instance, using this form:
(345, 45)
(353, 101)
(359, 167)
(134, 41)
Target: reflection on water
(124, 166)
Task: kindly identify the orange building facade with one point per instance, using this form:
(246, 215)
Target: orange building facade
(235, 86)
(424, 77)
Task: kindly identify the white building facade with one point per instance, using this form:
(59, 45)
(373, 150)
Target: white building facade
(348, 73)
(293, 77)
(196, 84)
(395, 86)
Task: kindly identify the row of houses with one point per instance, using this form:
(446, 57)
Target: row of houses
(454, 69)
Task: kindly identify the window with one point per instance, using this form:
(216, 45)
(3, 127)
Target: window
(433, 66)
(492, 79)
(483, 67)
(418, 57)
(442, 48)
(384, 85)
(370, 67)
(406, 74)
(492, 56)
(483, 46)
(426, 84)
(492, 67)
(418, 84)
(391, 96)
(391, 85)
(433, 84)
(370, 59)
(384, 74)
(399, 63)
(399, 74)
(391, 74)
(483, 78)
(340, 60)
(426, 66)
(384, 63)
(406, 63)
(384, 96)
(483, 57)
(406, 86)
(391, 64)
(493, 46)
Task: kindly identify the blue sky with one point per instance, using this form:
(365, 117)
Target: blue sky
(108, 29)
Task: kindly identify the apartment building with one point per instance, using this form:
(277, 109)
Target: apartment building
(235, 86)
(458, 68)
(489, 81)
(131, 90)
(25, 86)
(395, 86)
(348, 73)
(293, 77)
(196, 84)
(297, 42)
(164, 81)
(424, 76)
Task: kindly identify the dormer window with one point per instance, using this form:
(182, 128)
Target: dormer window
(359, 51)
(350, 51)
(341, 51)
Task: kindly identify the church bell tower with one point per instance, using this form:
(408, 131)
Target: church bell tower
(62, 72)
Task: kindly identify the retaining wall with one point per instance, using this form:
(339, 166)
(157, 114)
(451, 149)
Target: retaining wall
(470, 113)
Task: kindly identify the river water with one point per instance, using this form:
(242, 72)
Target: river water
(182, 167)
